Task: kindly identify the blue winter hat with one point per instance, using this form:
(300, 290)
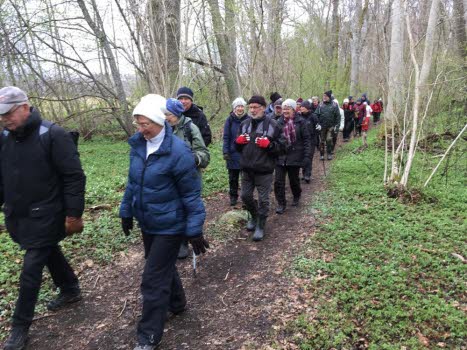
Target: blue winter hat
(185, 92)
(174, 106)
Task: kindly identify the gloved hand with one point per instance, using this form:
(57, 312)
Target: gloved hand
(73, 225)
(197, 159)
(226, 156)
(199, 244)
(262, 142)
(243, 139)
(318, 127)
(127, 225)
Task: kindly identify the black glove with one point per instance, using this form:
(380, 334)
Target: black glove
(226, 156)
(127, 225)
(199, 244)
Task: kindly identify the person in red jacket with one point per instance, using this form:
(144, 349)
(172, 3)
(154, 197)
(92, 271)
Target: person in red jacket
(377, 108)
(365, 127)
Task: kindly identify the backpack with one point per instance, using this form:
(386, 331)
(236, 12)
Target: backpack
(187, 133)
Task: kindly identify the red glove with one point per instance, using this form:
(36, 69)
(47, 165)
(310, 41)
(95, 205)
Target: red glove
(263, 142)
(243, 139)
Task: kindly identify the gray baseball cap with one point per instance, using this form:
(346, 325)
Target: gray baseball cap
(11, 96)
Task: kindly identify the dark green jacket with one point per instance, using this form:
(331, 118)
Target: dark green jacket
(328, 114)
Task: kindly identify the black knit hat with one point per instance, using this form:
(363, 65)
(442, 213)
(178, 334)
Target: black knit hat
(185, 92)
(306, 104)
(275, 96)
(257, 99)
(328, 93)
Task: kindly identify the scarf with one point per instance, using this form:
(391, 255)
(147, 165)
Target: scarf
(289, 130)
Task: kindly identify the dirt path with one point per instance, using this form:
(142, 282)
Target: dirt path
(239, 296)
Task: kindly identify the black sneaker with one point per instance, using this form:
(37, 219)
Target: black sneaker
(17, 339)
(233, 201)
(64, 299)
(307, 180)
(280, 209)
(296, 201)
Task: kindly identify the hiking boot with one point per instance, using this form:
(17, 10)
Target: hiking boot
(147, 346)
(346, 140)
(183, 251)
(329, 156)
(17, 339)
(64, 298)
(251, 223)
(259, 231)
(296, 201)
(233, 201)
(321, 157)
(307, 179)
(280, 209)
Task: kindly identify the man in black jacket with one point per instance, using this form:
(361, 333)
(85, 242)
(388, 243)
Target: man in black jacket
(259, 142)
(185, 96)
(329, 118)
(42, 192)
(314, 129)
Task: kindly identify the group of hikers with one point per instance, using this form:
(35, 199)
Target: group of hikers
(42, 186)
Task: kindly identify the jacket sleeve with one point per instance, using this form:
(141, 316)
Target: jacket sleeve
(306, 140)
(199, 148)
(226, 137)
(188, 183)
(205, 130)
(337, 116)
(278, 143)
(239, 148)
(66, 160)
(126, 209)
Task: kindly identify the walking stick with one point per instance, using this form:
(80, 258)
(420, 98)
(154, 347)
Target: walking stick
(194, 265)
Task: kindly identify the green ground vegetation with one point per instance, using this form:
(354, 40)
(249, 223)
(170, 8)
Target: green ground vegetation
(382, 269)
(105, 163)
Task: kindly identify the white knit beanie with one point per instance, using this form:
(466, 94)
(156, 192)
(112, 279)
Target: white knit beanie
(289, 103)
(239, 101)
(346, 100)
(151, 106)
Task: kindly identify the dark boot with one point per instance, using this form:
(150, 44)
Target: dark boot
(306, 179)
(65, 298)
(296, 201)
(233, 201)
(17, 339)
(259, 232)
(280, 209)
(251, 223)
(183, 251)
(321, 157)
(329, 156)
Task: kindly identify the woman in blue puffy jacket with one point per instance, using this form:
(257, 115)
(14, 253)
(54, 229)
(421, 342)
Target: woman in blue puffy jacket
(164, 195)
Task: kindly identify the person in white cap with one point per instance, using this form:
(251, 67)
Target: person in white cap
(42, 192)
(231, 155)
(163, 194)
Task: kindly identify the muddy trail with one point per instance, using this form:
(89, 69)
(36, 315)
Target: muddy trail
(238, 298)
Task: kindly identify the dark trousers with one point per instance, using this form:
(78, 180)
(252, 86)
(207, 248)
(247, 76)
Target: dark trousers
(279, 182)
(31, 278)
(348, 127)
(234, 177)
(376, 116)
(263, 184)
(326, 139)
(335, 135)
(308, 168)
(161, 286)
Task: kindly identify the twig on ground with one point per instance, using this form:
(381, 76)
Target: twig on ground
(123, 309)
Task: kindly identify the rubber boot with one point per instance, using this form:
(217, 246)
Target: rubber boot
(17, 339)
(251, 223)
(259, 232)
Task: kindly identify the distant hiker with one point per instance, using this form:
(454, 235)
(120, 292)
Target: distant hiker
(329, 118)
(277, 109)
(259, 143)
(377, 108)
(297, 155)
(299, 103)
(349, 116)
(364, 98)
(314, 103)
(365, 127)
(42, 192)
(231, 155)
(339, 127)
(313, 129)
(360, 113)
(163, 194)
(186, 130)
(270, 109)
(195, 113)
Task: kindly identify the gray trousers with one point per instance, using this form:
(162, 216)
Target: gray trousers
(263, 184)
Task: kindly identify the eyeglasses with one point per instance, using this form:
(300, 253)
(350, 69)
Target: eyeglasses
(10, 112)
(141, 125)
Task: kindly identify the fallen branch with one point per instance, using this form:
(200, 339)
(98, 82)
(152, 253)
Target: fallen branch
(123, 309)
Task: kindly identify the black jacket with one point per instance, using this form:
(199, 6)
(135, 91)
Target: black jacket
(40, 182)
(199, 118)
(256, 159)
(298, 152)
(312, 121)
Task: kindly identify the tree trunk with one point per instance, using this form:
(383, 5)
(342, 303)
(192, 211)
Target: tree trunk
(333, 45)
(460, 27)
(356, 44)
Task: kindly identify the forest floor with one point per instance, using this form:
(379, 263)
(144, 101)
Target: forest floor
(238, 297)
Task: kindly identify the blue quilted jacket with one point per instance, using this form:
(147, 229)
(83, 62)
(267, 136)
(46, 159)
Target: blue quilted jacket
(164, 191)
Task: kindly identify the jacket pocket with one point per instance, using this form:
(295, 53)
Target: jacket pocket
(39, 210)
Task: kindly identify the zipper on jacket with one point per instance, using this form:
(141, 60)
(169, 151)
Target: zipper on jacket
(141, 190)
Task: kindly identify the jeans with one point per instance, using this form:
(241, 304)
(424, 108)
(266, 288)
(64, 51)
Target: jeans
(279, 182)
(161, 286)
(263, 183)
(31, 278)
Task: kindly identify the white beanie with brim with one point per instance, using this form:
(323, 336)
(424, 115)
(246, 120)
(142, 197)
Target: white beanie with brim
(289, 103)
(152, 107)
(239, 101)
